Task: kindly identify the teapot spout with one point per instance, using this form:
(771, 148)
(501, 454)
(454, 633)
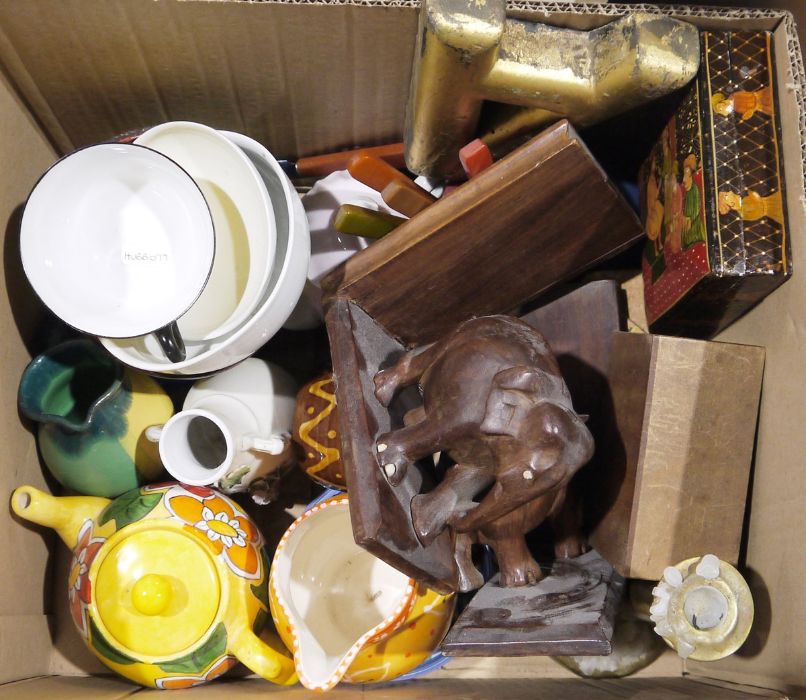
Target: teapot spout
(65, 514)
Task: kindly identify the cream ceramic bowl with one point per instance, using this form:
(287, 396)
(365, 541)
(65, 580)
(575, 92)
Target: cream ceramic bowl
(284, 289)
(245, 232)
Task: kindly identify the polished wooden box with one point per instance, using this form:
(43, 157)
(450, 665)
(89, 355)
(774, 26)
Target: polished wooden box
(712, 193)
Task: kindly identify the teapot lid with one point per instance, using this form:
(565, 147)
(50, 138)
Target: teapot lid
(157, 592)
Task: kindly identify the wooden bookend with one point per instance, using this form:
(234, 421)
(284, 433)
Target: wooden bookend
(578, 327)
(380, 513)
(570, 612)
(686, 413)
(537, 217)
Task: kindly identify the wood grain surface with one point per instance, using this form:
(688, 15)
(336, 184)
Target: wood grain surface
(536, 218)
(686, 414)
(380, 513)
(570, 612)
(579, 326)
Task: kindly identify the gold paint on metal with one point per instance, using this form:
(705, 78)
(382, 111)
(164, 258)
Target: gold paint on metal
(508, 126)
(468, 51)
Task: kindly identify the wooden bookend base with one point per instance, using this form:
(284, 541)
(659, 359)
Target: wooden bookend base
(570, 612)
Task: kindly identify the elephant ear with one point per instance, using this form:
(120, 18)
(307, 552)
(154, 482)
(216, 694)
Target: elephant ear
(512, 393)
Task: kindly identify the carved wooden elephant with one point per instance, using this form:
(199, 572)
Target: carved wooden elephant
(494, 399)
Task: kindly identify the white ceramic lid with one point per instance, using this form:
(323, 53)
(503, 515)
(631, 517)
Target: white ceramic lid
(117, 240)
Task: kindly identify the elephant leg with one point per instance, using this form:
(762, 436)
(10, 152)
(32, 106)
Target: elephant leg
(515, 488)
(516, 563)
(469, 576)
(406, 371)
(506, 536)
(452, 498)
(397, 449)
(566, 522)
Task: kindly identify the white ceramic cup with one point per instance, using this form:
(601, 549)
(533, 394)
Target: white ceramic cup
(246, 237)
(283, 291)
(117, 240)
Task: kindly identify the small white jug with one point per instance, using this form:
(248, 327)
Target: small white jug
(234, 428)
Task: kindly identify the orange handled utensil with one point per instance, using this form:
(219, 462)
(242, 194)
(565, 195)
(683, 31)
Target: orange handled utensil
(331, 162)
(400, 193)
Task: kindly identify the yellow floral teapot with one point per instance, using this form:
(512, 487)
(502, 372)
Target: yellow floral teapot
(167, 584)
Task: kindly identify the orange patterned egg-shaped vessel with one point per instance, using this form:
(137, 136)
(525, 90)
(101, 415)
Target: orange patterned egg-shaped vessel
(315, 430)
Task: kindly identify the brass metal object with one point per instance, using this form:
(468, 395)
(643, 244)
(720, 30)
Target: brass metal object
(468, 51)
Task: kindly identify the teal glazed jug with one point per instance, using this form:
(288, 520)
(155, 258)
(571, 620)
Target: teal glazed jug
(92, 414)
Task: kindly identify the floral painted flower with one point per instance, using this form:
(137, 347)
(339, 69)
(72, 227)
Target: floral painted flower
(222, 665)
(219, 526)
(225, 528)
(79, 590)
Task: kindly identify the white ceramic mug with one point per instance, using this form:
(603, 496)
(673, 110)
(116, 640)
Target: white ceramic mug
(234, 428)
(118, 241)
(242, 211)
(200, 446)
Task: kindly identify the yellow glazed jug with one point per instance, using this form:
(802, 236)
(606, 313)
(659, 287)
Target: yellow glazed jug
(346, 614)
(167, 584)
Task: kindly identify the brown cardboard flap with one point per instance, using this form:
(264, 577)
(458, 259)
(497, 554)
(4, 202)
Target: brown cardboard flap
(25, 645)
(242, 66)
(247, 67)
(65, 688)
(307, 78)
(24, 628)
(24, 576)
(775, 568)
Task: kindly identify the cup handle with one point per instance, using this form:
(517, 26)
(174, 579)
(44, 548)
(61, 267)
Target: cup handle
(171, 342)
(154, 433)
(275, 445)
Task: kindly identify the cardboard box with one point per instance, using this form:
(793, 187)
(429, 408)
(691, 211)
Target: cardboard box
(308, 78)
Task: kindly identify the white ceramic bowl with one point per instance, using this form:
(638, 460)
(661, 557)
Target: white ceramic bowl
(246, 236)
(283, 291)
(117, 240)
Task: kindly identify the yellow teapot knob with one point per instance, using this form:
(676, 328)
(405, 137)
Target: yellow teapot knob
(151, 594)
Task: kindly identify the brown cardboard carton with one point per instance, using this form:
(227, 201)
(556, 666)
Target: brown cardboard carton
(308, 78)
